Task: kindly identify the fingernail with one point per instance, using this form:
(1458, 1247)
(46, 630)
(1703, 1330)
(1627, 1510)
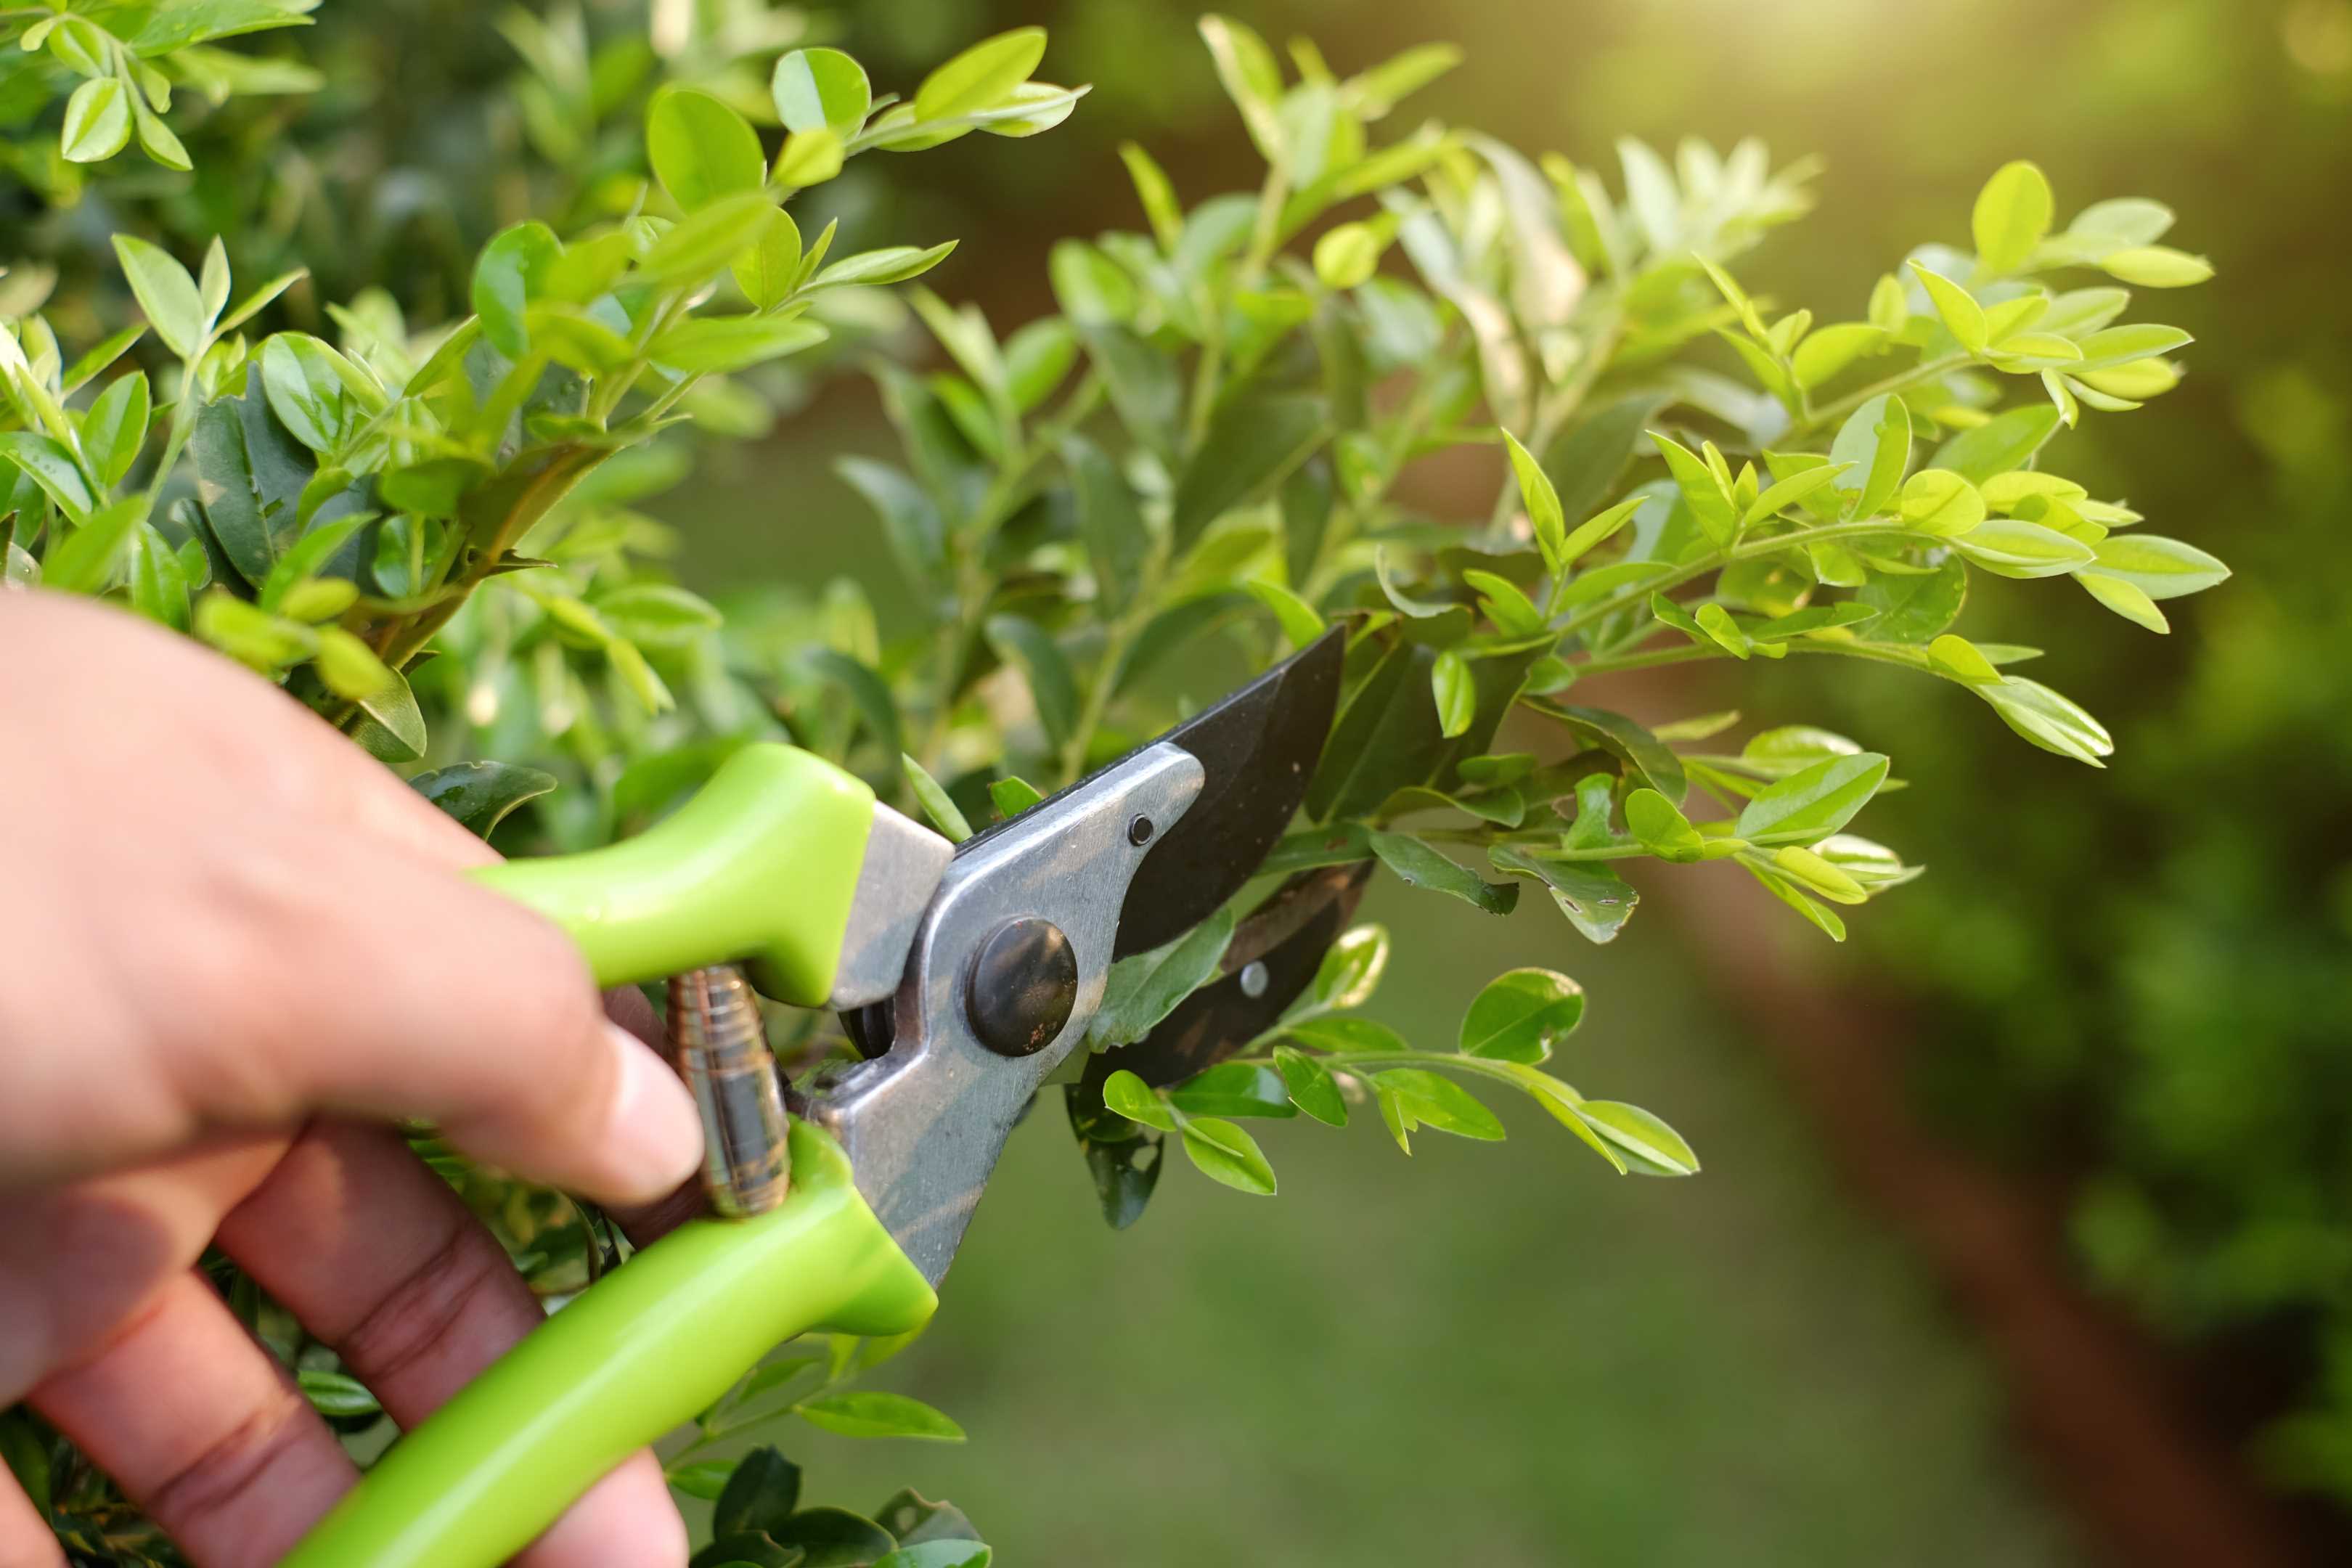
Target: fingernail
(655, 1140)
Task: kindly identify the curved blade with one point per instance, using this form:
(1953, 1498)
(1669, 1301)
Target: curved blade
(1260, 745)
(1282, 941)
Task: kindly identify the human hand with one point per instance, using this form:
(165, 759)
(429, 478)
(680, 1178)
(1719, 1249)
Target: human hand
(231, 948)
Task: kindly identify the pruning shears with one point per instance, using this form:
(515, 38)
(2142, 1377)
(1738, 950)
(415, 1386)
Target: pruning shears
(968, 975)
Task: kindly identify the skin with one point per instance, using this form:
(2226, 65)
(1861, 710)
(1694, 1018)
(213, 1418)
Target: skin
(232, 948)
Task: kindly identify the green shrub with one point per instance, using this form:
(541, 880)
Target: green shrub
(429, 526)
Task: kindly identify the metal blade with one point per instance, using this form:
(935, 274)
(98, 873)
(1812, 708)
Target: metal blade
(1260, 745)
(1272, 958)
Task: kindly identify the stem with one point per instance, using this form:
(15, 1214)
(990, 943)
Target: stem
(1715, 560)
(1926, 370)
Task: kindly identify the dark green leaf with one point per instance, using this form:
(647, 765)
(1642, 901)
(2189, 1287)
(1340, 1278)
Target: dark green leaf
(336, 1392)
(1235, 1089)
(1916, 607)
(506, 279)
(762, 1494)
(1251, 444)
(1596, 900)
(1419, 866)
(1123, 1159)
(1109, 521)
(1031, 647)
(481, 794)
(934, 801)
(1146, 987)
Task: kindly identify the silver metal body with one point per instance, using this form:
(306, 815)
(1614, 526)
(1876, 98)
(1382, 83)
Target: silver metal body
(924, 1122)
(720, 1045)
(904, 862)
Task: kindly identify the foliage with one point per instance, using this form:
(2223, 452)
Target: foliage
(428, 528)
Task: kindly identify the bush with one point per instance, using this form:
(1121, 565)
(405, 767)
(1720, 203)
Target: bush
(429, 526)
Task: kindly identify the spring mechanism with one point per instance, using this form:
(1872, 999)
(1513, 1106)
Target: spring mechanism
(720, 1046)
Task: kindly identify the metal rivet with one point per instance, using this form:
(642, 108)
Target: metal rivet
(1254, 980)
(1140, 831)
(1023, 987)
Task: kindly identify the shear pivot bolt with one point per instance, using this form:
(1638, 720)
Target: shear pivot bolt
(1023, 987)
(1140, 831)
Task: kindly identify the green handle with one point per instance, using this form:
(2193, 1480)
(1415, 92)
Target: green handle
(760, 867)
(638, 1353)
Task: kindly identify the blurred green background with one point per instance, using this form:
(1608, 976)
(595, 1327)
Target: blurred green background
(2130, 1017)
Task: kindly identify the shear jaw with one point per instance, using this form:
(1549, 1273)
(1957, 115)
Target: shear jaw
(923, 1124)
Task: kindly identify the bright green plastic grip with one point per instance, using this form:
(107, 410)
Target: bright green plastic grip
(642, 1351)
(760, 867)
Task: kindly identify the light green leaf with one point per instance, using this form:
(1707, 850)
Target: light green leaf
(2002, 443)
(2126, 599)
(1456, 692)
(891, 264)
(1662, 828)
(2161, 568)
(2013, 547)
(1657, 1149)
(1874, 446)
(1522, 1015)
(1815, 801)
(1939, 502)
(705, 240)
(1957, 656)
(871, 1413)
(699, 148)
(1300, 623)
(821, 90)
(1225, 1154)
(1542, 502)
(701, 343)
(1703, 491)
(1031, 648)
(1425, 1099)
(98, 122)
(115, 428)
(166, 292)
(2156, 266)
(1351, 970)
(1597, 529)
(980, 76)
(1958, 310)
(2052, 721)
(934, 801)
(506, 276)
(2012, 213)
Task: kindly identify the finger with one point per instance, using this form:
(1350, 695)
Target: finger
(379, 1259)
(26, 1539)
(406, 993)
(203, 1430)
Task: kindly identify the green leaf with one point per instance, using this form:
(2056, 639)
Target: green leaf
(1595, 900)
(1347, 255)
(1959, 656)
(1152, 188)
(808, 158)
(870, 1413)
(706, 240)
(1961, 314)
(934, 801)
(1299, 621)
(1914, 608)
(1425, 1099)
(98, 122)
(1513, 613)
(1352, 969)
(1783, 494)
(1036, 360)
(481, 794)
(1657, 1149)
(1145, 987)
(1251, 444)
(2052, 721)
(821, 90)
(1031, 648)
(1939, 502)
(1813, 802)
(1875, 443)
(2161, 568)
(1132, 1098)
(768, 272)
(2156, 266)
(705, 344)
(1705, 493)
(1118, 541)
(2013, 547)
(980, 76)
(2001, 444)
(394, 730)
(1829, 350)
(335, 1393)
(88, 561)
(1011, 796)
(116, 426)
(166, 292)
(1662, 828)
(1225, 1154)
(944, 1552)
(699, 148)
(2013, 214)
(657, 615)
(1235, 1089)
(1542, 502)
(762, 1493)
(506, 276)
(317, 394)
(891, 264)
(1419, 866)
(1310, 1085)
(1246, 69)
(1522, 1015)
(2126, 599)
(1455, 693)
